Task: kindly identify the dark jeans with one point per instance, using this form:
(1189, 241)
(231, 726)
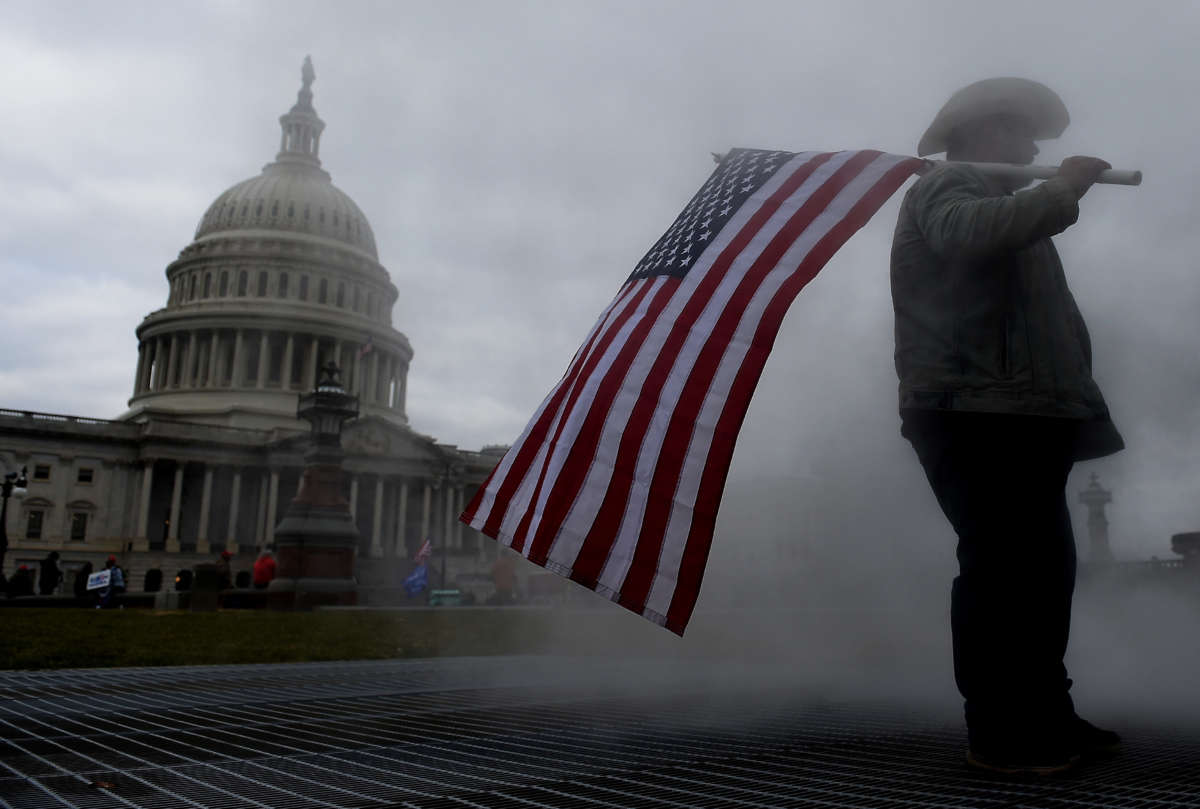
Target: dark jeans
(1001, 482)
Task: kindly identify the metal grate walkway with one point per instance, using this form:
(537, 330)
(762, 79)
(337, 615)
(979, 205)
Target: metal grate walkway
(513, 732)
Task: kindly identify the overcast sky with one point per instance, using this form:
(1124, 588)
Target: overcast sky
(516, 159)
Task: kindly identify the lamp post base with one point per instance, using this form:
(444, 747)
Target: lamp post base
(315, 550)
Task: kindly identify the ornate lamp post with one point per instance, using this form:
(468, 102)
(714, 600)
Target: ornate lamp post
(15, 484)
(446, 475)
(1096, 497)
(317, 539)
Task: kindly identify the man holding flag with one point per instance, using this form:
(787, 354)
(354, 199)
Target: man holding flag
(418, 580)
(997, 398)
(616, 481)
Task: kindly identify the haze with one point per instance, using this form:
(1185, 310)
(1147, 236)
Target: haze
(516, 159)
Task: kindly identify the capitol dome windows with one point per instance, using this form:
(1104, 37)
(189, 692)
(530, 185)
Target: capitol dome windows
(275, 360)
(288, 221)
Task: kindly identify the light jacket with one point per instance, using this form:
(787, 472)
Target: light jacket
(984, 319)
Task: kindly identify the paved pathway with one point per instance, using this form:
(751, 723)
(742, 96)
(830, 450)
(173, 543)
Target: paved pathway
(512, 732)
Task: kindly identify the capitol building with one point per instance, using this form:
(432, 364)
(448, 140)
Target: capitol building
(281, 278)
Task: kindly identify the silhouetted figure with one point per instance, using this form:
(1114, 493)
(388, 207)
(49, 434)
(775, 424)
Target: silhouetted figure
(21, 583)
(504, 577)
(81, 579)
(997, 399)
(49, 576)
(224, 575)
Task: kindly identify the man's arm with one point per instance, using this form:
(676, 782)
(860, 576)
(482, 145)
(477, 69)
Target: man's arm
(961, 220)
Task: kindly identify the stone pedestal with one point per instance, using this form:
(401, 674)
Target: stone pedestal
(315, 545)
(317, 539)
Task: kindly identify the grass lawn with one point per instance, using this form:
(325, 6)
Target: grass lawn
(82, 638)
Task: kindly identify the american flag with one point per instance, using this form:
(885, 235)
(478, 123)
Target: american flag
(423, 552)
(616, 480)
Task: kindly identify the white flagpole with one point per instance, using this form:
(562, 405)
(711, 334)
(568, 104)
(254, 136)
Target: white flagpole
(1109, 177)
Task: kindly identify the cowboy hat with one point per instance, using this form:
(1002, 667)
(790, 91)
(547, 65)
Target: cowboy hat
(1027, 99)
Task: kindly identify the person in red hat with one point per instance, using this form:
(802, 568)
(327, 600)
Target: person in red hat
(223, 572)
(264, 570)
(21, 583)
(116, 583)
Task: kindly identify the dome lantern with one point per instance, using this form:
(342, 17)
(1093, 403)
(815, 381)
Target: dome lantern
(300, 140)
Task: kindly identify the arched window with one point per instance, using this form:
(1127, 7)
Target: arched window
(223, 289)
(304, 287)
(322, 291)
(356, 299)
(262, 284)
(341, 294)
(192, 292)
(207, 284)
(241, 291)
(283, 284)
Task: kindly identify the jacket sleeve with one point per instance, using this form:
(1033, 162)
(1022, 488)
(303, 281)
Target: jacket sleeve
(961, 219)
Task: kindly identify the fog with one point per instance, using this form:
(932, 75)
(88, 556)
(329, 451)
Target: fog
(515, 161)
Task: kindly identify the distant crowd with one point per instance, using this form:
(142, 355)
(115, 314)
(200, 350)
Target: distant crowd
(102, 591)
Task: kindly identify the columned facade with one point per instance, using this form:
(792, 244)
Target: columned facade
(282, 276)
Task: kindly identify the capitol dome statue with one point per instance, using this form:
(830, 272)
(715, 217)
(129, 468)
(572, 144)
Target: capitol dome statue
(282, 277)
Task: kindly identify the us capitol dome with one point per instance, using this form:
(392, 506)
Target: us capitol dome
(281, 277)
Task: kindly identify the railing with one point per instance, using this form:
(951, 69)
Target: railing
(1152, 564)
(56, 417)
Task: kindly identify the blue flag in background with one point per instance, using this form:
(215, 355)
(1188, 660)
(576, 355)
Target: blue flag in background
(418, 580)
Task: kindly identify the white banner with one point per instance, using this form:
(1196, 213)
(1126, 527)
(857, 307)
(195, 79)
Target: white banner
(99, 580)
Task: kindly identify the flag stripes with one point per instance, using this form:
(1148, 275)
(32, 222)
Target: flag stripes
(616, 480)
